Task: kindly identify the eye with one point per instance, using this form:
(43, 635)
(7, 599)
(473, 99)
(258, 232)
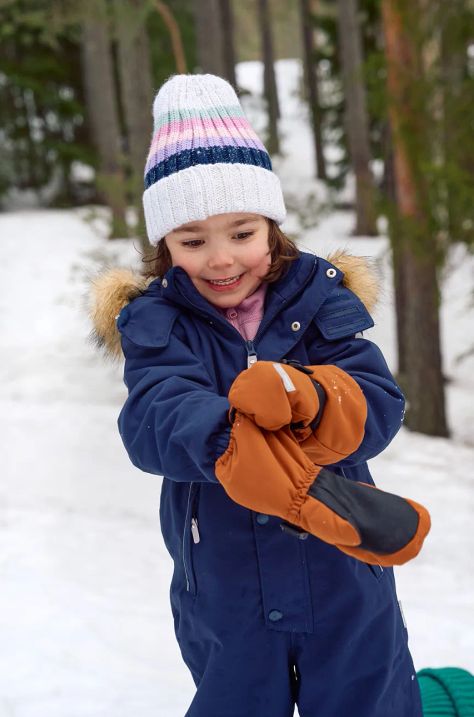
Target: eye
(192, 244)
(243, 235)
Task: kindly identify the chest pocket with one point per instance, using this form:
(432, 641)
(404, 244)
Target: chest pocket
(147, 322)
(342, 314)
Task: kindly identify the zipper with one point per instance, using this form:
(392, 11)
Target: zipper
(251, 353)
(189, 524)
(195, 530)
(183, 547)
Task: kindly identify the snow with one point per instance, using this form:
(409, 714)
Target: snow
(85, 624)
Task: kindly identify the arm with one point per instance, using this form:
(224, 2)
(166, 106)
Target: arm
(172, 423)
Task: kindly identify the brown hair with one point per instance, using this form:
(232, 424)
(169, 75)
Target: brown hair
(282, 249)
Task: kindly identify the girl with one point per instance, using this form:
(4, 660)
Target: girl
(266, 616)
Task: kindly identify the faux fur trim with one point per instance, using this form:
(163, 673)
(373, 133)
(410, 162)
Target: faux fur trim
(115, 288)
(360, 276)
(110, 292)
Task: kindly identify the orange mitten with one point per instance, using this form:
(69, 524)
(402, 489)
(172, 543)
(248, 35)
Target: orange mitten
(268, 472)
(274, 395)
(323, 405)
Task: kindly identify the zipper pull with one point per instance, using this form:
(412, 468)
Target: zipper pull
(195, 530)
(251, 354)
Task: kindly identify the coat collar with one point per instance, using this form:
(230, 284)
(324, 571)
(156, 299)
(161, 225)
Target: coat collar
(114, 289)
(177, 287)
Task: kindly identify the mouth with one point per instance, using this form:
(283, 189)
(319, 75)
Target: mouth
(230, 281)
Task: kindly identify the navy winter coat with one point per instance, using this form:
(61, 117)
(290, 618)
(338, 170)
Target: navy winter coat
(264, 619)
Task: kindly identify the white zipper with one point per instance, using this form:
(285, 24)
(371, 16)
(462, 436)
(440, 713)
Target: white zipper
(184, 536)
(195, 530)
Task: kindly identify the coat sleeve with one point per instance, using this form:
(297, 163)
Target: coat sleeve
(363, 362)
(173, 423)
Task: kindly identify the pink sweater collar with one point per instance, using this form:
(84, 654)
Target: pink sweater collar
(247, 315)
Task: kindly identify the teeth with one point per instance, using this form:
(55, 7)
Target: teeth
(225, 281)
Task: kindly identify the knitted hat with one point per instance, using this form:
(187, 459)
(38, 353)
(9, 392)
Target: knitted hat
(205, 158)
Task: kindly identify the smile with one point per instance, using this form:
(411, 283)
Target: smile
(224, 282)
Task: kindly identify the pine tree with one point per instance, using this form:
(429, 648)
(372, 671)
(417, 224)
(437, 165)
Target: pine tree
(414, 249)
(136, 93)
(269, 80)
(356, 116)
(312, 85)
(102, 110)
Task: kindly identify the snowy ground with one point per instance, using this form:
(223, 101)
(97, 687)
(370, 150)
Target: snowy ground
(85, 623)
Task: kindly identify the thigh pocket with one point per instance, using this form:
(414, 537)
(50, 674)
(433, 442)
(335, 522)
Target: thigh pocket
(191, 537)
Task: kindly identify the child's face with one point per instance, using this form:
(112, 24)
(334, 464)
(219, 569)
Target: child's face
(221, 247)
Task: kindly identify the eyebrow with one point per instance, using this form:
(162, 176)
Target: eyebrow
(194, 229)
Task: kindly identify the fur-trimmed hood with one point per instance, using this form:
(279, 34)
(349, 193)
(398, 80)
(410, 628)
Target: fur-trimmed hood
(115, 288)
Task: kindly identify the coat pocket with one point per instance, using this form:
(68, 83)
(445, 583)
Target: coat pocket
(376, 570)
(190, 537)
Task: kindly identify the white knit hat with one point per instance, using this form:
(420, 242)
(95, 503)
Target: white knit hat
(205, 158)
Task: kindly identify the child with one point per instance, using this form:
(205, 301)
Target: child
(266, 616)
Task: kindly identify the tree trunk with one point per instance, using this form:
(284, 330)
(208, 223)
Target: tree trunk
(175, 34)
(102, 111)
(454, 54)
(136, 89)
(227, 24)
(356, 119)
(423, 380)
(209, 37)
(311, 82)
(390, 193)
(269, 79)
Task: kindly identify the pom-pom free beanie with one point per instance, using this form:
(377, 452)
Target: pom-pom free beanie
(205, 158)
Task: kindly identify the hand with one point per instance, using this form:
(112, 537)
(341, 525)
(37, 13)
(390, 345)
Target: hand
(268, 472)
(275, 395)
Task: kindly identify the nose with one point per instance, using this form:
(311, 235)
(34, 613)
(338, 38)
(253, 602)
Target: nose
(220, 258)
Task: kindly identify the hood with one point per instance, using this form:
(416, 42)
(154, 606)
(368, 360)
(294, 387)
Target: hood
(115, 288)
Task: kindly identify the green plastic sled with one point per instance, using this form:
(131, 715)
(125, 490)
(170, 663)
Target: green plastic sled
(446, 692)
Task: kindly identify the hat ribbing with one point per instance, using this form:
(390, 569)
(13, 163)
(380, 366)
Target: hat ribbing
(205, 158)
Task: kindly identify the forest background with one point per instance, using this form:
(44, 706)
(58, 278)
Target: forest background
(389, 86)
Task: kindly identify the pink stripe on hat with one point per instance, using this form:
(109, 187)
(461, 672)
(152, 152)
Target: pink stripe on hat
(215, 140)
(202, 126)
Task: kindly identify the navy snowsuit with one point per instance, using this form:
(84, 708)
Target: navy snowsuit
(264, 619)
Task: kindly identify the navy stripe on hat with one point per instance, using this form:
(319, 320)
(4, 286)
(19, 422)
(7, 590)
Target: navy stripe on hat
(207, 155)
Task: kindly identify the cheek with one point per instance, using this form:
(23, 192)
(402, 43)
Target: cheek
(186, 261)
(259, 262)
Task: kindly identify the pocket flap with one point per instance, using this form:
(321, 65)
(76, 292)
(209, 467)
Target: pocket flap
(342, 314)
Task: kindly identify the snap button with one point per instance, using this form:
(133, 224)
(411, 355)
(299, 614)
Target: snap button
(275, 615)
(164, 283)
(331, 273)
(296, 326)
(262, 519)
(232, 314)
